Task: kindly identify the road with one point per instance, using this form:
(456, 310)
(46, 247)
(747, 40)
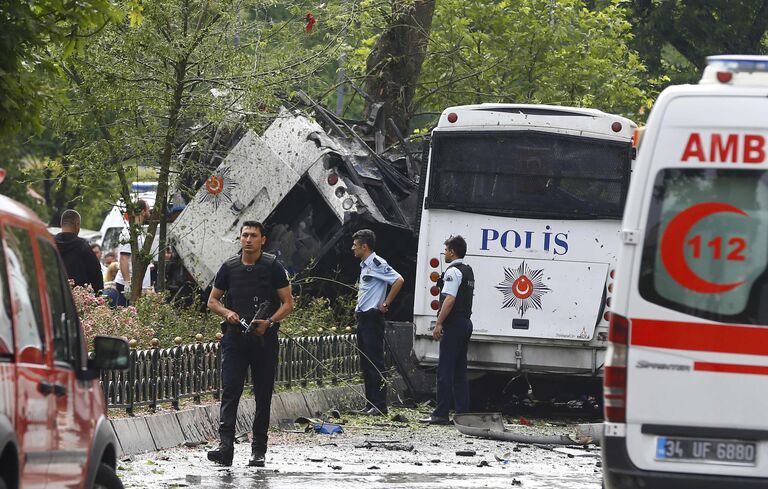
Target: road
(375, 453)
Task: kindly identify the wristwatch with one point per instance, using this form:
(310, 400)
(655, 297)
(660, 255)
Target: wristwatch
(270, 321)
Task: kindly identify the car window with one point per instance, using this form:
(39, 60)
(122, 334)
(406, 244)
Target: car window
(6, 329)
(57, 288)
(25, 292)
(706, 248)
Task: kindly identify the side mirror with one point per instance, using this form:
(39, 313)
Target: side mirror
(109, 353)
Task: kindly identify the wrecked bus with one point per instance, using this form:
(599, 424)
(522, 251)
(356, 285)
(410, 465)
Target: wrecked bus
(311, 189)
(538, 193)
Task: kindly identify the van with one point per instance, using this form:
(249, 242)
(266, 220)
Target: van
(686, 375)
(54, 430)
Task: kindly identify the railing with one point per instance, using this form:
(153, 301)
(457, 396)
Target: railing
(168, 375)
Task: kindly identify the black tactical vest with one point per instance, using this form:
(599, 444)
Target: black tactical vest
(247, 282)
(462, 308)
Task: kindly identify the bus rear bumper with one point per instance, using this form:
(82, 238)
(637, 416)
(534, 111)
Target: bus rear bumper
(511, 356)
(620, 473)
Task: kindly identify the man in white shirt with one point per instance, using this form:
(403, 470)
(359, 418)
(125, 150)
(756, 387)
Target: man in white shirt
(123, 278)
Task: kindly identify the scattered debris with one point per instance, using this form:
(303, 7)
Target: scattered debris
(491, 425)
(400, 418)
(483, 463)
(389, 445)
(466, 453)
(589, 433)
(194, 444)
(373, 467)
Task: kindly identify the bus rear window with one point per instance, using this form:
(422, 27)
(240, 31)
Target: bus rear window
(529, 174)
(706, 246)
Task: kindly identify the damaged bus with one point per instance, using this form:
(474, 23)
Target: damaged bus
(538, 193)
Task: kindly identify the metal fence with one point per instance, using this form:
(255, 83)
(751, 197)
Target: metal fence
(167, 375)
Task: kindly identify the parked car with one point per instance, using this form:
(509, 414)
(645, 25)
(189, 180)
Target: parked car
(53, 426)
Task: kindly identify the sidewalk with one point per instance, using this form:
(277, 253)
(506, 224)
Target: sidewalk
(155, 432)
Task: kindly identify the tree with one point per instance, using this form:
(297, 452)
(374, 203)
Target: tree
(149, 91)
(532, 51)
(29, 30)
(674, 37)
(394, 64)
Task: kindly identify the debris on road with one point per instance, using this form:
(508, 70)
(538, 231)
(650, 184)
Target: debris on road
(491, 425)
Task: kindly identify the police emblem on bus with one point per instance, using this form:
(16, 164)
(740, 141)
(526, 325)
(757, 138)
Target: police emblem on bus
(522, 288)
(219, 188)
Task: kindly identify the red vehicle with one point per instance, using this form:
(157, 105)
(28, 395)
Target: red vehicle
(53, 426)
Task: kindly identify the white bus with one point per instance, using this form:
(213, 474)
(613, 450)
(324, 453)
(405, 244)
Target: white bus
(538, 193)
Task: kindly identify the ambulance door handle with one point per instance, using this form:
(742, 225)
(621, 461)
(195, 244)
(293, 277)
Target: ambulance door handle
(629, 236)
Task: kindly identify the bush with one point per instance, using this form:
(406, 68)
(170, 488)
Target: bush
(154, 317)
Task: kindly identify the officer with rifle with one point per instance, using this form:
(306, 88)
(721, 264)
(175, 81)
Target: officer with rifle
(256, 297)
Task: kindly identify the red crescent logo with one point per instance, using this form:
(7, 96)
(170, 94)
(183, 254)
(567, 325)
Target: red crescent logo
(673, 247)
(522, 287)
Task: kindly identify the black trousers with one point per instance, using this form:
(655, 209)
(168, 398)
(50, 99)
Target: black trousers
(370, 340)
(240, 352)
(452, 383)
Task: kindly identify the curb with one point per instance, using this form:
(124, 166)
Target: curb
(197, 425)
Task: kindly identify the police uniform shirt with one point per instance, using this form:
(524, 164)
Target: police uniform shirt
(375, 276)
(452, 279)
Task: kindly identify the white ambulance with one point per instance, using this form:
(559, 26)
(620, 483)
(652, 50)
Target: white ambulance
(686, 376)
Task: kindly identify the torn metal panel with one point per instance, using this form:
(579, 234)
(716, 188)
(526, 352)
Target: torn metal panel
(247, 185)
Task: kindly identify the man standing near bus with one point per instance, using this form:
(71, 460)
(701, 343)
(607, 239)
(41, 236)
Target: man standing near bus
(247, 285)
(375, 276)
(453, 330)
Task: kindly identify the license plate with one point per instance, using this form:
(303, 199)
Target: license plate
(706, 451)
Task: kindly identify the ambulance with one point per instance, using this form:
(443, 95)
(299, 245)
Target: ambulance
(686, 374)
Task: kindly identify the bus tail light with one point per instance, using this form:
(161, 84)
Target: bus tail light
(615, 380)
(724, 76)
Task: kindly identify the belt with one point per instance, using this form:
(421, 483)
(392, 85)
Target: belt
(369, 312)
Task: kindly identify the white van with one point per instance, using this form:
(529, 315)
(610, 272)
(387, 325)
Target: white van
(686, 376)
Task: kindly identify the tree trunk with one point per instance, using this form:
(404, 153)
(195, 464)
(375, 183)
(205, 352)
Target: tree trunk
(394, 65)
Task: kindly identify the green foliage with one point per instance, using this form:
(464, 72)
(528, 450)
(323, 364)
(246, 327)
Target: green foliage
(30, 31)
(674, 37)
(533, 51)
(314, 316)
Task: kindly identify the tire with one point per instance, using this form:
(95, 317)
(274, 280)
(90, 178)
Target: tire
(106, 478)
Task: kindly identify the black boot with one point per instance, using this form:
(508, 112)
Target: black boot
(224, 453)
(257, 458)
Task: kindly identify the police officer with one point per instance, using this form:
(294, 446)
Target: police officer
(252, 281)
(453, 329)
(375, 276)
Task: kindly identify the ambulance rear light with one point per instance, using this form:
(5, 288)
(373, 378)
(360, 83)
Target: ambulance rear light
(434, 263)
(734, 69)
(615, 379)
(435, 305)
(333, 179)
(618, 331)
(453, 117)
(616, 126)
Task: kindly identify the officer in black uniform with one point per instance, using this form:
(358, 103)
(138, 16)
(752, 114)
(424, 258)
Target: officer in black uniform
(255, 284)
(453, 329)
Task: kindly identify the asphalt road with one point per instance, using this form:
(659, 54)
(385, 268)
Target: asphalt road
(380, 453)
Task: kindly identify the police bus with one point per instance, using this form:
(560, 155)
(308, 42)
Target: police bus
(538, 193)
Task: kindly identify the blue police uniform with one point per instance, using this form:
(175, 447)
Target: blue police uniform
(375, 276)
(452, 383)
